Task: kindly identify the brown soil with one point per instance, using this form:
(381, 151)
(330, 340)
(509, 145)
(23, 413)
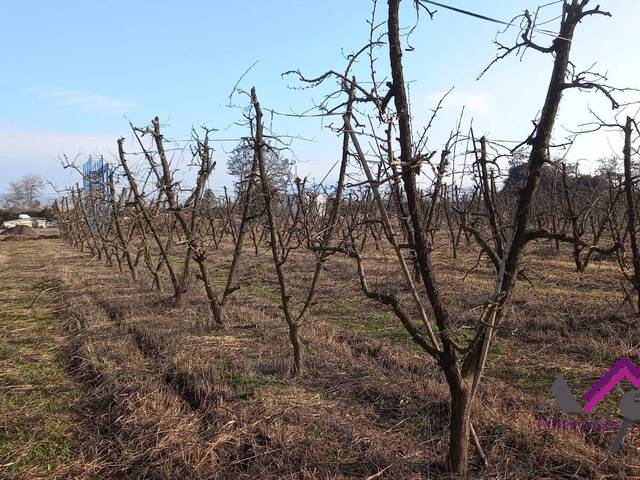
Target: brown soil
(25, 232)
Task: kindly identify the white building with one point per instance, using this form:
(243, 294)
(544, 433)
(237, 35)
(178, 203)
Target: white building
(24, 219)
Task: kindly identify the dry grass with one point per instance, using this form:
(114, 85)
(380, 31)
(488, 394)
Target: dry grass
(165, 399)
(37, 399)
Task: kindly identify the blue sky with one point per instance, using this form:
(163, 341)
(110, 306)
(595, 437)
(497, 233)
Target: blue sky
(74, 72)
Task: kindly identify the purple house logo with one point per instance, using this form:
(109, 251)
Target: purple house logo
(629, 403)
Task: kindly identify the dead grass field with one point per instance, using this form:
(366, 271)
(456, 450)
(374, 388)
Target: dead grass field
(38, 399)
(104, 380)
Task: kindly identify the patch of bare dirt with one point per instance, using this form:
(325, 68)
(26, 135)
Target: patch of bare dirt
(25, 232)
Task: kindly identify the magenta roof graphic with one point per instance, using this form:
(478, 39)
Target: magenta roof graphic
(629, 403)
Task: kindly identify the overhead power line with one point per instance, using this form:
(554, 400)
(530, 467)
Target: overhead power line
(489, 19)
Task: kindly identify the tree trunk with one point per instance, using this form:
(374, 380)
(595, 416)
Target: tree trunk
(459, 430)
(294, 336)
(276, 253)
(631, 209)
(214, 303)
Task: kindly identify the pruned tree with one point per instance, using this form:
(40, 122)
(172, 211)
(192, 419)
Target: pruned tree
(462, 366)
(186, 214)
(282, 230)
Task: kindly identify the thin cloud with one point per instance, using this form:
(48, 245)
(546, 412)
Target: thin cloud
(30, 151)
(82, 100)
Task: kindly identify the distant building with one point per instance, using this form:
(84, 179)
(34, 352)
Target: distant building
(26, 220)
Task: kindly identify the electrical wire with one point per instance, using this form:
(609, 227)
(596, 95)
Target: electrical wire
(491, 19)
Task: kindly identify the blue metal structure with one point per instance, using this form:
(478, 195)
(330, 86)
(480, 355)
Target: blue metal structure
(95, 174)
(95, 190)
